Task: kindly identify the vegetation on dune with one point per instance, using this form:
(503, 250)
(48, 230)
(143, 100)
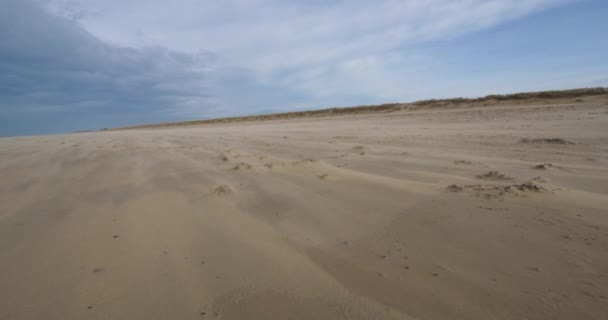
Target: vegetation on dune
(389, 107)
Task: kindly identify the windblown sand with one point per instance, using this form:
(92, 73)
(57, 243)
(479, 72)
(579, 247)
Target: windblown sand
(462, 212)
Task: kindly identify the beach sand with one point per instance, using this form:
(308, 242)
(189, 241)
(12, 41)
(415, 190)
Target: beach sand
(458, 211)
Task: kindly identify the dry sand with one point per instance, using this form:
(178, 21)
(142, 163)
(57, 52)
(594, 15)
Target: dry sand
(455, 212)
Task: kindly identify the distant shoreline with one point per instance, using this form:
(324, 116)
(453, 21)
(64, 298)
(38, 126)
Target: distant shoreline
(387, 107)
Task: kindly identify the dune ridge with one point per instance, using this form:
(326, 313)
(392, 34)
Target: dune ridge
(392, 107)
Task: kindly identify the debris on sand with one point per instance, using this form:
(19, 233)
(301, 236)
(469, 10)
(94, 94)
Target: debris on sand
(546, 140)
(223, 190)
(462, 162)
(529, 187)
(305, 161)
(497, 191)
(543, 166)
(358, 148)
(242, 166)
(455, 188)
(223, 157)
(494, 175)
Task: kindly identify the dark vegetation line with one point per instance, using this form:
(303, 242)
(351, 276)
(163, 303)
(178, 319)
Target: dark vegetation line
(388, 107)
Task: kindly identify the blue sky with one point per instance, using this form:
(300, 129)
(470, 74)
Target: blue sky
(68, 65)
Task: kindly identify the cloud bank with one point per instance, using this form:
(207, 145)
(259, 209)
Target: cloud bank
(53, 70)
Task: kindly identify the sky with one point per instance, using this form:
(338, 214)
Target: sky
(68, 65)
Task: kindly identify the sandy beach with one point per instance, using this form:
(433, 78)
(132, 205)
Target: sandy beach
(493, 210)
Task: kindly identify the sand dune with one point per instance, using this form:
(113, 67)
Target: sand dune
(490, 209)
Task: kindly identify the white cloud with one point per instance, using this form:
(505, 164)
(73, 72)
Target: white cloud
(310, 45)
(275, 33)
